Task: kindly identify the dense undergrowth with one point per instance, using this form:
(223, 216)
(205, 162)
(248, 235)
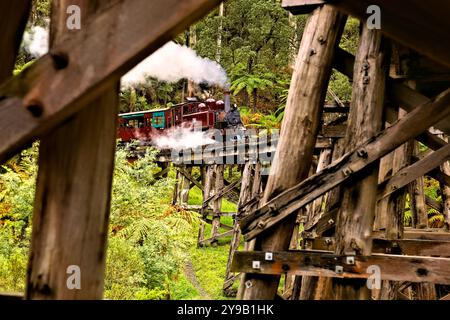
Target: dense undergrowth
(149, 242)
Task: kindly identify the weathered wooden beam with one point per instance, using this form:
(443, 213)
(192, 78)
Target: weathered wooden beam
(221, 193)
(436, 205)
(358, 203)
(216, 237)
(301, 6)
(402, 95)
(414, 171)
(299, 131)
(419, 212)
(245, 194)
(162, 173)
(217, 203)
(336, 109)
(440, 176)
(419, 25)
(77, 205)
(420, 234)
(446, 297)
(411, 247)
(337, 131)
(13, 18)
(221, 225)
(324, 263)
(444, 172)
(86, 64)
(286, 203)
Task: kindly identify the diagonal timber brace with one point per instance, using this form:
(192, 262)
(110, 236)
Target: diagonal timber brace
(414, 171)
(88, 61)
(288, 202)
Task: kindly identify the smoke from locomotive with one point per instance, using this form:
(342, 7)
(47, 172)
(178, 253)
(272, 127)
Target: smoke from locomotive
(174, 62)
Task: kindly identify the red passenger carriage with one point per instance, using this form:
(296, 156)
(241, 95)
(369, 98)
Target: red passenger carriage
(145, 125)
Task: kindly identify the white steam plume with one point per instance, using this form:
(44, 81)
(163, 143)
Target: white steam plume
(170, 63)
(174, 62)
(35, 41)
(183, 138)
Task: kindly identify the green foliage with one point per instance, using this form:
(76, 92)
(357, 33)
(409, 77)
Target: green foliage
(17, 186)
(151, 236)
(40, 12)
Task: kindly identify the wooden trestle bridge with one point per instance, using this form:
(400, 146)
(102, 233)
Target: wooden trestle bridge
(346, 192)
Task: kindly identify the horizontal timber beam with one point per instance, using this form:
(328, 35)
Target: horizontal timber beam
(289, 201)
(324, 263)
(87, 62)
(301, 6)
(411, 247)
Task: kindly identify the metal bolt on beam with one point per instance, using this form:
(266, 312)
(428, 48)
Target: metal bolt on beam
(269, 256)
(256, 265)
(339, 270)
(350, 260)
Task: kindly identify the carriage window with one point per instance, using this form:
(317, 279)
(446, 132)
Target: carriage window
(158, 120)
(135, 123)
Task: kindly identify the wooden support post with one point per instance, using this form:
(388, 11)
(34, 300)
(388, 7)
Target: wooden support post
(417, 195)
(13, 18)
(396, 201)
(207, 179)
(316, 208)
(299, 131)
(185, 187)
(245, 195)
(319, 288)
(392, 209)
(72, 204)
(445, 189)
(217, 204)
(176, 187)
(358, 206)
(385, 172)
(304, 287)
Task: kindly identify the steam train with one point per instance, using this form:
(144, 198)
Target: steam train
(145, 125)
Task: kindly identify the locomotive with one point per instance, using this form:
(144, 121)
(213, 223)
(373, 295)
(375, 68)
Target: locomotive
(145, 125)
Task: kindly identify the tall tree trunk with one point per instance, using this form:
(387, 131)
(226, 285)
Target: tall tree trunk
(292, 47)
(255, 100)
(192, 41)
(219, 33)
